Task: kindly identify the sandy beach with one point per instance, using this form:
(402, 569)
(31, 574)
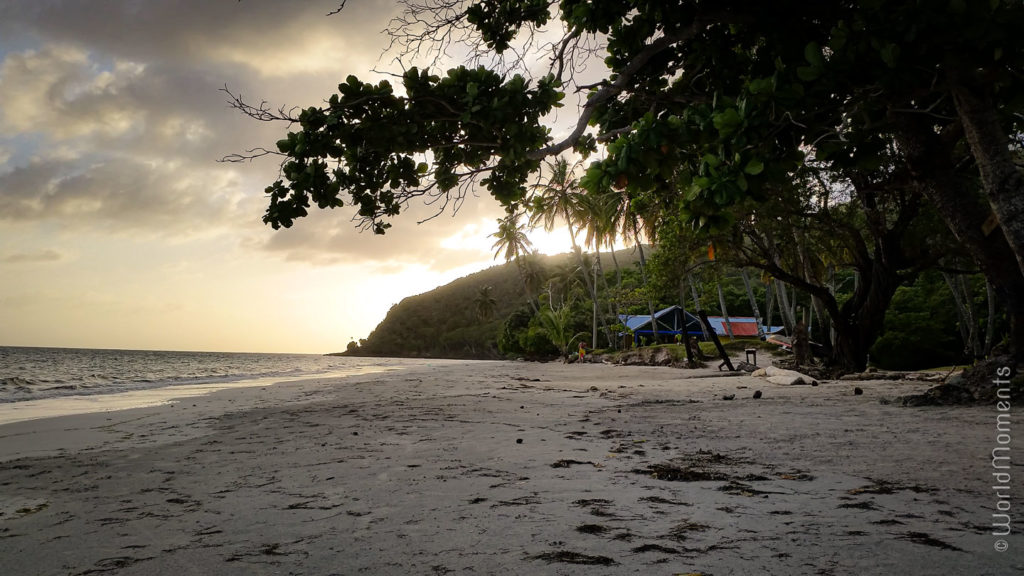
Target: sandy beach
(510, 468)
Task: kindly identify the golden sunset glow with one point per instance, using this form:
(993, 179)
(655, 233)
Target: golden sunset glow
(119, 228)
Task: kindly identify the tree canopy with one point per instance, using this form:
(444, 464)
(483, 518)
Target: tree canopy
(716, 116)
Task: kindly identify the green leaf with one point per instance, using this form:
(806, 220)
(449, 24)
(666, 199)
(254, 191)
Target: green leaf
(838, 38)
(727, 122)
(760, 85)
(754, 167)
(808, 73)
(813, 55)
(889, 54)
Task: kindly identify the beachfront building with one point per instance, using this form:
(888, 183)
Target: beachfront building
(671, 321)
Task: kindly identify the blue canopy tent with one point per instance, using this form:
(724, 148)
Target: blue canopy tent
(670, 321)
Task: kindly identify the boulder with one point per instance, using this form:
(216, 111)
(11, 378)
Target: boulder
(785, 377)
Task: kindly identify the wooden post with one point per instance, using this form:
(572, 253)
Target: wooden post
(718, 343)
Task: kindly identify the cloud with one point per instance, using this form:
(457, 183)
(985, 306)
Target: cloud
(270, 38)
(126, 121)
(152, 197)
(58, 91)
(330, 237)
(32, 257)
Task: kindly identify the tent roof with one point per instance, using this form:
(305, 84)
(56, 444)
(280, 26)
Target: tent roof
(633, 322)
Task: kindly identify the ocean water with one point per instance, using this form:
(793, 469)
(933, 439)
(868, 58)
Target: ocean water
(40, 373)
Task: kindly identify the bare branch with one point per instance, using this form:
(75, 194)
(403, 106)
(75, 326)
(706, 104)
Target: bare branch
(338, 9)
(262, 112)
(612, 90)
(250, 155)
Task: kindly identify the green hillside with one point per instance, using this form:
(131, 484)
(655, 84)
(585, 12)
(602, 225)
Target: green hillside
(445, 323)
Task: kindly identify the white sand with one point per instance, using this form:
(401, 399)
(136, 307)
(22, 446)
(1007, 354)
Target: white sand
(421, 471)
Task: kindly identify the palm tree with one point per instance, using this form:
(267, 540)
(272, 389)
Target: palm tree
(633, 223)
(560, 198)
(598, 217)
(485, 303)
(564, 279)
(512, 240)
(556, 323)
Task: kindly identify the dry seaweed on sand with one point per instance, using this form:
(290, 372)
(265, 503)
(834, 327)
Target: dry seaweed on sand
(673, 473)
(922, 538)
(568, 462)
(864, 505)
(660, 500)
(680, 531)
(568, 557)
(884, 487)
(740, 489)
(655, 548)
(592, 502)
(592, 529)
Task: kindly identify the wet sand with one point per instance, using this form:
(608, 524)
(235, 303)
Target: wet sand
(510, 468)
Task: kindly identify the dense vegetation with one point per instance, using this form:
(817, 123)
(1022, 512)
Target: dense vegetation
(877, 140)
(486, 315)
(456, 321)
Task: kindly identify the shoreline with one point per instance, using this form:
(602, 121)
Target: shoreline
(99, 402)
(496, 467)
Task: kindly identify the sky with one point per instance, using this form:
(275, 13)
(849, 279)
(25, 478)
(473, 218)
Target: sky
(119, 228)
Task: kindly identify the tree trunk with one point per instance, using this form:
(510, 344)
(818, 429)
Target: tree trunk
(591, 287)
(964, 322)
(1002, 180)
(965, 213)
(690, 361)
(818, 306)
(643, 276)
(787, 313)
(593, 340)
(862, 317)
(618, 269)
(696, 305)
(725, 313)
(612, 309)
(793, 307)
(614, 304)
(832, 292)
(753, 304)
(526, 285)
(990, 324)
